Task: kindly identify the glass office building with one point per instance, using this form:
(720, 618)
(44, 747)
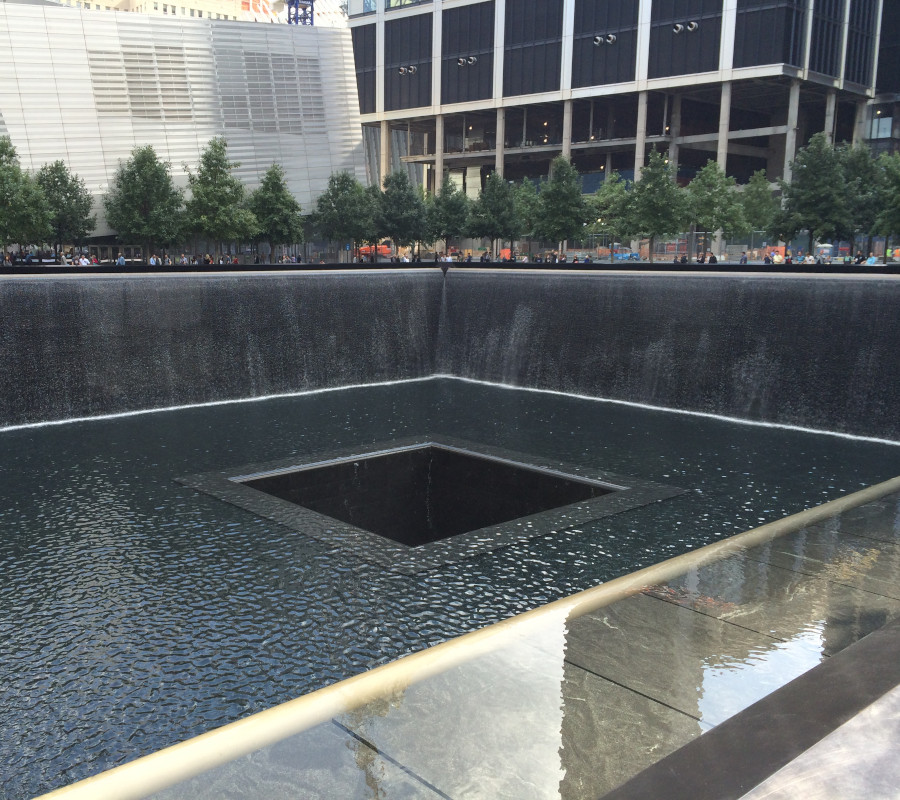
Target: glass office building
(469, 87)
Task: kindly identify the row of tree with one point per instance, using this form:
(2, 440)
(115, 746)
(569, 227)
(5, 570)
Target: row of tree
(841, 193)
(53, 205)
(836, 193)
(144, 205)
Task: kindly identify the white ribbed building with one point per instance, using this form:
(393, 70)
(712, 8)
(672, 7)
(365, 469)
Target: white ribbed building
(90, 87)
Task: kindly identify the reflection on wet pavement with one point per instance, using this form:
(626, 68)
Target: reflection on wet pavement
(572, 708)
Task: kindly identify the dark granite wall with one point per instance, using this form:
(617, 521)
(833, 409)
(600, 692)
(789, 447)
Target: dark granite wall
(817, 351)
(87, 346)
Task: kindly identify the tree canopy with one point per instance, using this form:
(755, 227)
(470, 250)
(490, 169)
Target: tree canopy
(863, 185)
(400, 215)
(143, 204)
(760, 204)
(888, 220)
(713, 202)
(658, 206)
(69, 203)
(276, 210)
(527, 203)
(815, 199)
(448, 212)
(493, 215)
(563, 210)
(609, 210)
(216, 208)
(345, 211)
(24, 211)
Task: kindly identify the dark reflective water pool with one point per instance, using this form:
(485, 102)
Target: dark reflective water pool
(135, 612)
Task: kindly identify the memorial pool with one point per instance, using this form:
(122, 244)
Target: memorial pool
(138, 612)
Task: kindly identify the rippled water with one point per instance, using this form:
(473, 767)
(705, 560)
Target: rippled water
(135, 612)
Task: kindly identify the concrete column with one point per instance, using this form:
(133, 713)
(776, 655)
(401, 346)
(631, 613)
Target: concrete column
(384, 164)
(438, 152)
(724, 125)
(608, 162)
(567, 129)
(640, 144)
(859, 123)
(674, 132)
(718, 245)
(830, 108)
(790, 138)
(501, 141)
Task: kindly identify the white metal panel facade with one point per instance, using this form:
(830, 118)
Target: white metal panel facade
(88, 87)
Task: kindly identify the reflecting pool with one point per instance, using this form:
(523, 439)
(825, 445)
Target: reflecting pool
(137, 612)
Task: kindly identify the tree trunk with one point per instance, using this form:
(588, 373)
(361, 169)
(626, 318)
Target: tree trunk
(650, 242)
(810, 243)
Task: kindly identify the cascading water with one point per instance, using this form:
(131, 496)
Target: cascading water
(140, 612)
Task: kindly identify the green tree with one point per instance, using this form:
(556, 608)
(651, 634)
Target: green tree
(815, 199)
(345, 211)
(373, 195)
(713, 202)
(609, 211)
(24, 211)
(143, 204)
(759, 202)
(400, 215)
(658, 206)
(276, 210)
(563, 210)
(217, 209)
(69, 202)
(448, 212)
(887, 222)
(862, 183)
(493, 215)
(527, 203)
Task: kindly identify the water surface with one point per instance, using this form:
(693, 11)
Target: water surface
(135, 612)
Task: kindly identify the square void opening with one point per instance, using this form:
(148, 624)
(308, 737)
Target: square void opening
(415, 504)
(420, 495)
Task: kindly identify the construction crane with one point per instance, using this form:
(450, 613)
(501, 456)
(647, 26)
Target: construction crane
(299, 12)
